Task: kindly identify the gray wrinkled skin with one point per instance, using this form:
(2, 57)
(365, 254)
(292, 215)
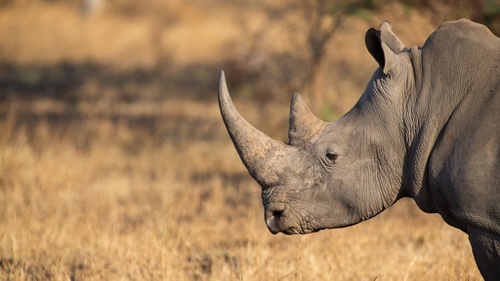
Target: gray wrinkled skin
(426, 127)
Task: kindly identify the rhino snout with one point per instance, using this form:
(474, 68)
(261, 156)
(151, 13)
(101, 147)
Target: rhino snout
(274, 217)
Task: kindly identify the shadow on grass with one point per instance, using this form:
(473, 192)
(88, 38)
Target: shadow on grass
(53, 95)
(64, 81)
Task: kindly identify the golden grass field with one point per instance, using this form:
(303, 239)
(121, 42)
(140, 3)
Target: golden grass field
(112, 169)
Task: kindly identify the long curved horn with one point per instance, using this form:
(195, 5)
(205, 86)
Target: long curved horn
(254, 147)
(304, 127)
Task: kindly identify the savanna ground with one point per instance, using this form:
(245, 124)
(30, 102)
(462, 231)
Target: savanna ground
(115, 165)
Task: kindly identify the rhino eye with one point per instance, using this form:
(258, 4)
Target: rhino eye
(331, 156)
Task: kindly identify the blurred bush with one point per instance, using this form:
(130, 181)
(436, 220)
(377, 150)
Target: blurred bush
(486, 12)
(270, 50)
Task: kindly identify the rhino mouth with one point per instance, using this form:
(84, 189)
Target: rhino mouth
(278, 219)
(277, 224)
(292, 230)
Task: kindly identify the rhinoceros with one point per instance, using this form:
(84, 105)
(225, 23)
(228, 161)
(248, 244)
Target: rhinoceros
(427, 126)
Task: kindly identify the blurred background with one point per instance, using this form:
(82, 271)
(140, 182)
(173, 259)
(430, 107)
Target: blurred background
(114, 162)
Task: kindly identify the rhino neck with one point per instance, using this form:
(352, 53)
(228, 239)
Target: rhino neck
(378, 149)
(416, 133)
(425, 114)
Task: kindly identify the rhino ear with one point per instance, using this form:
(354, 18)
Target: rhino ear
(390, 39)
(381, 52)
(304, 127)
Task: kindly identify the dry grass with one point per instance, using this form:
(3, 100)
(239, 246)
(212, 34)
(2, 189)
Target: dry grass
(122, 181)
(185, 209)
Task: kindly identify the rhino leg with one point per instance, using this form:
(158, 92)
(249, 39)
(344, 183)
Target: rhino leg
(486, 249)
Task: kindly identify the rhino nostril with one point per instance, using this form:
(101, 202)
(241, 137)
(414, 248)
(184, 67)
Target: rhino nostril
(277, 214)
(276, 210)
(275, 217)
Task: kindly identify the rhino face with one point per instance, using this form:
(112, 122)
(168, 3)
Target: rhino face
(335, 174)
(313, 187)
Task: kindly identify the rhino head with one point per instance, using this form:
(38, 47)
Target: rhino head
(331, 174)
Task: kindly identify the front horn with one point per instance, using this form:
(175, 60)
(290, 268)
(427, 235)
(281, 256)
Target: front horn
(256, 149)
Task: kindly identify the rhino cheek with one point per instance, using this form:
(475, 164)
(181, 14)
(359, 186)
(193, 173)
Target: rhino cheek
(329, 208)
